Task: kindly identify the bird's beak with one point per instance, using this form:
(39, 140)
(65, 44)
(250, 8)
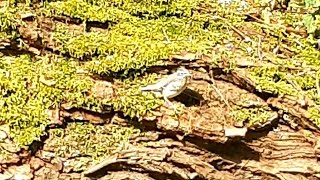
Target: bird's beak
(188, 74)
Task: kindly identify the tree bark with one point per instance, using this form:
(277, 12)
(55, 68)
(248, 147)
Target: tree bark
(205, 142)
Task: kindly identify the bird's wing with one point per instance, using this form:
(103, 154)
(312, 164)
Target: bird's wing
(160, 84)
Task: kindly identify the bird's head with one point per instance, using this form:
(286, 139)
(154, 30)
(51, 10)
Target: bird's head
(183, 72)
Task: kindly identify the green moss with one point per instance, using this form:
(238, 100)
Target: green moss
(82, 10)
(127, 98)
(149, 8)
(314, 115)
(135, 43)
(130, 100)
(138, 44)
(141, 34)
(8, 23)
(309, 56)
(99, 142)
(62, 35)
(294, 75)
(254, 116)
(29, 88)
(135, 46)
(272, 80)
(8, 19)
(136, 55)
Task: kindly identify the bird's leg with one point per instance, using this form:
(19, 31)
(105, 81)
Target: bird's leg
(176, 110)
(169, 102)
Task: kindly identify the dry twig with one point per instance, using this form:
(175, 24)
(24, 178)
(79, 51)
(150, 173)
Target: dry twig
(219, 93)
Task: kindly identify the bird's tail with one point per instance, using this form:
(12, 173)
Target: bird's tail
(149, 88)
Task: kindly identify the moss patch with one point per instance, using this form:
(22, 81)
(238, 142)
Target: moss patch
(255, 117)
(29, 87)
(32, 86)
(142, 34)
(100, 141)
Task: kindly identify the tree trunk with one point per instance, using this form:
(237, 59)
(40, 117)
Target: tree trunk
(205, 140)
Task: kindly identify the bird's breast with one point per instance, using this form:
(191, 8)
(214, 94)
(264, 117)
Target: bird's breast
(176, 87)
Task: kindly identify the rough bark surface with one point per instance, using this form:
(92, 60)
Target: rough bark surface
(205, 142)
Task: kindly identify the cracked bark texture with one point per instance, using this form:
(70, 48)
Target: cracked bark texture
(205, 142)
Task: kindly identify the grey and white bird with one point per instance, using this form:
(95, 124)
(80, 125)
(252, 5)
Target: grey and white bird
(170, 86)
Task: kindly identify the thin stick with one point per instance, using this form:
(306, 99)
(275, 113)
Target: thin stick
(165, 34)
(259, 48)
(317, 84)
(246, 38)
(236, 173)
(219, 93)
(276, 26)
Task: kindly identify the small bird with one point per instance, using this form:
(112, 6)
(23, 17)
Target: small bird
(170, 86)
